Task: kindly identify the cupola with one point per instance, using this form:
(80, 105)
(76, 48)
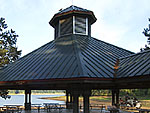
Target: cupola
(72, 20)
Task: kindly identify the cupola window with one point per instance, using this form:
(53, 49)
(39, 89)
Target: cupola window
(81, 25)
(73, 25)
(65, 26)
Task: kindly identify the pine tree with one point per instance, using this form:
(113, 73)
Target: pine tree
(146, 32)
(8, 50)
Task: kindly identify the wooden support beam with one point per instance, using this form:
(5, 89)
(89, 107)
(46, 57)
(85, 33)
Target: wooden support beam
(27, 100)
(71, 98)
(86, 101)
(76, 95)
(67, 99)
(117, 97)
(75, 104)
(113, 97)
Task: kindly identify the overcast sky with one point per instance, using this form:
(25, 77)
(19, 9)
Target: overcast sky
(119, 22)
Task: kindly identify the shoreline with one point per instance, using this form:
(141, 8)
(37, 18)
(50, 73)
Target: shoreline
(39, 94)
(92, 101)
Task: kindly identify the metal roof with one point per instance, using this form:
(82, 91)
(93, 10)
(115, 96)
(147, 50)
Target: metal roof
(134, 65)
(72, 56)
(73, 8)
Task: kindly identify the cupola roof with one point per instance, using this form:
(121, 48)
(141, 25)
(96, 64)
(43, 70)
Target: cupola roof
(72, 10)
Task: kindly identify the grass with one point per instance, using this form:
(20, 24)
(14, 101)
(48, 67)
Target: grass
(103, 99)
(143, 97)
(96, 98)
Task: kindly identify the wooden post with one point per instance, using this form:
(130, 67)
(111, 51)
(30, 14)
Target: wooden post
(86, 101)
(71, 101)
(117, 98)
(113, 97)
(27, 99)
(71, 98)
(75, 101)
(67, 99)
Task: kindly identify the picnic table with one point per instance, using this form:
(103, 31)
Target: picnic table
(102, 106)
(13, 108)
(2, 108)
(38, 106)
(144, 110)
(55, 106)
(113, 109)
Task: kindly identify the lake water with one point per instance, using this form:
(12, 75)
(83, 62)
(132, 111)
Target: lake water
(19, 100)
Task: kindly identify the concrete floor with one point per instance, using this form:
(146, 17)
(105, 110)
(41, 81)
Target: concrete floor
(67, 111)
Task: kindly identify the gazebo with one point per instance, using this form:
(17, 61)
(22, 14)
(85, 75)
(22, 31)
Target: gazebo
(76, 62)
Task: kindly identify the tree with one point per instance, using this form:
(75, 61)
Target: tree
(8, 50)
(146, 32)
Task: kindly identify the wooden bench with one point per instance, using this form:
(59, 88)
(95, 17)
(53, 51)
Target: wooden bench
(98, 106)
(3, 109)
(101, 106)
(123, 106)
(37, 106)
(126, 107)
(55, 106)
(13, 108)
(144, 110)
(113, 110)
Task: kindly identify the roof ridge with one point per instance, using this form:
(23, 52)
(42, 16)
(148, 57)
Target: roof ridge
(71, 8)
(146, 51)
(78, 55)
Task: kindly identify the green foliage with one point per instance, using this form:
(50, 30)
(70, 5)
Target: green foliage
(101, 98)
(47, 91)
(140, 93)
(101, 92)
(146, 32)
(8, 49)
(135, 92)
(36, 91)
(3, 94)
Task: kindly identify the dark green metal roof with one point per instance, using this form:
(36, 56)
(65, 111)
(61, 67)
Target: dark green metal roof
(72, 56)
(73, 8)
(134, 65)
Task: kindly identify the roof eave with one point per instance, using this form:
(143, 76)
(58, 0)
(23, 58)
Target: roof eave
(83, 80)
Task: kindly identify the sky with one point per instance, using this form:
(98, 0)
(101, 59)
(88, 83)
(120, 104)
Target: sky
(119, 22)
